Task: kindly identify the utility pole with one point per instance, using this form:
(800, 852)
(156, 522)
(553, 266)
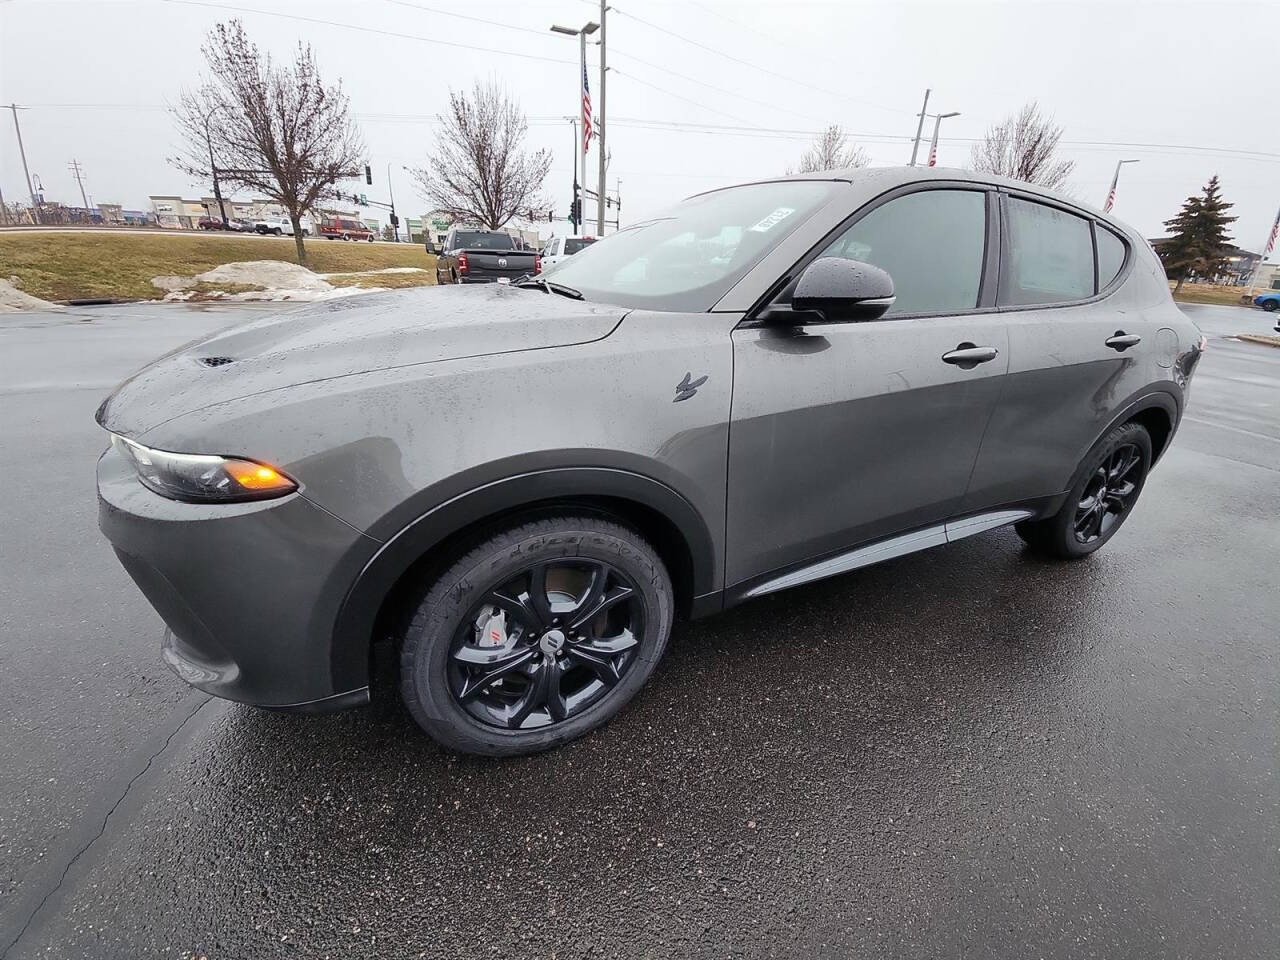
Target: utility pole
(933, 144)
(395, 221)
(74, 167)
(22, 151)
(213, 170)
(915, 146)
(1115, 182)
(600, 124)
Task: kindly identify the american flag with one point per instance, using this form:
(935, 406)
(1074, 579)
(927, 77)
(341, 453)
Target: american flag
(586, 111)
(1111, 199)
(1271, 240)
(933, 154)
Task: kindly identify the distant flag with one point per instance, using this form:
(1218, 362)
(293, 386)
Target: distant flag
(586, 111)
(1271, 240)
(1111, 199)
(933, 154)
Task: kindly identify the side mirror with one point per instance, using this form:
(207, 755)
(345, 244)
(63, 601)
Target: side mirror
(839, 289)
(431, 247)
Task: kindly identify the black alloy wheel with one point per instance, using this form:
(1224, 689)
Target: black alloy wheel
(546, 644)
(1108, 494)
(536, 635)
(1103, 492)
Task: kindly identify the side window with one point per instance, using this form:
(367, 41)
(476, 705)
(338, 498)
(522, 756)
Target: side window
(1110, 255)
(1048, 255)
(930, 242)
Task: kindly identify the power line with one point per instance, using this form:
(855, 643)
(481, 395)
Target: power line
(670, 93)
(710, 86)
(364, 29)
(463, 16)
(755, 66)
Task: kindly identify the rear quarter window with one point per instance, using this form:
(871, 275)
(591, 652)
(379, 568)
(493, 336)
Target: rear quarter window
(1048, 255)
(1111, 253)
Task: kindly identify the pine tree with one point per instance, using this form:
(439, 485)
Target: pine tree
(1199, 236)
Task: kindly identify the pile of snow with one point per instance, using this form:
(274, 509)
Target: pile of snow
(12, 299)
(280, 280)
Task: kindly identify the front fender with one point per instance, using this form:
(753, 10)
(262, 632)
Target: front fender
(354, 627)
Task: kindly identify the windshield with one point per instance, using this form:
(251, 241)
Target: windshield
(688, 258)
(574, 244)
(477, 240)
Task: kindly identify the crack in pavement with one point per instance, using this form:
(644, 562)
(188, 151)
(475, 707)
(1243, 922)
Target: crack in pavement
(4, 952)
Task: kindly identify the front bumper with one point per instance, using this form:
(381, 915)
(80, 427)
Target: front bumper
(249, 591)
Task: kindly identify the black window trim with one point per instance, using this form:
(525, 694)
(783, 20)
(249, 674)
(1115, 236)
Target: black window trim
(1094, 224)
(987, 283)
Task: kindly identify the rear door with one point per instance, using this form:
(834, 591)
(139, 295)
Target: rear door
(845, 433)
(1076, 359)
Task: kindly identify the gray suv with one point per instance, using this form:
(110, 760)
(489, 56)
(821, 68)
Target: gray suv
(522, 485)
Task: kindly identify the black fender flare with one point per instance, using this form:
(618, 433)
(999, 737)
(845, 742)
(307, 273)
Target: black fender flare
(1158, 399)
(353, 631)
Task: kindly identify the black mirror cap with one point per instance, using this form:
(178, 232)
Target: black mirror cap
(843, 289)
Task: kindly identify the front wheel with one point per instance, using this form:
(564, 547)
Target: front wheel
(537, 636)
(276, 231)
(1101, 499)
(1269, 305)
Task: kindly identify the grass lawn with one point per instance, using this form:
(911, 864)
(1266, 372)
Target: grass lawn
(1210, 293)
(75, 265)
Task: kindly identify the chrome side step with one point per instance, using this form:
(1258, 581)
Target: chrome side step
(898, 546)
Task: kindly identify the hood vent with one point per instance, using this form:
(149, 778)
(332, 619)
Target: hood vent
(216, 361)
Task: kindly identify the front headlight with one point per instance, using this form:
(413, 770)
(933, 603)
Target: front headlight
(203, 478)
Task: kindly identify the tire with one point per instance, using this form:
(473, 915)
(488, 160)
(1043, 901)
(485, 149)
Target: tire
(516, 694)
(277, 232)
(370, 238)
(1269, 305)
(1105, 489)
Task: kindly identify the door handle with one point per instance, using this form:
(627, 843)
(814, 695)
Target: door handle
(967, 356)
(1122, 341)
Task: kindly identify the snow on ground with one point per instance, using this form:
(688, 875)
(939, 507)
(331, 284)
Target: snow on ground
(12, 299)
(279, 280)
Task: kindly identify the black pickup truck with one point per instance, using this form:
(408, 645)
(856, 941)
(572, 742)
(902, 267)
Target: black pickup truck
(482, 256)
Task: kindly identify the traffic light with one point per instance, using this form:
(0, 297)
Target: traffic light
(551, 215)
(368, 175)
(363, 200)
(395, 221)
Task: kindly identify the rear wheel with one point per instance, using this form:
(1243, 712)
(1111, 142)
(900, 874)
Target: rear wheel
(1106, 488)
(536, 637)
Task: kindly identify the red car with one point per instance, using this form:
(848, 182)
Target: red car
(343, 229)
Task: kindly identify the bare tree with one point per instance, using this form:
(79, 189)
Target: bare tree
(1022, 146)
(832, 151)
(480, 171)
(276, 129)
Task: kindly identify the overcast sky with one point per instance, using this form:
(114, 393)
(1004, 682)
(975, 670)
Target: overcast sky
(1199, 77)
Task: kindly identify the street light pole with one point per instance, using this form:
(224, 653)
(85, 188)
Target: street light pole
(600, 188)
(933, 144)
(915, 145)
(1115, 182)
(580, 88)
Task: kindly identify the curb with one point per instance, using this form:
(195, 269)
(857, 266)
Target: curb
(1259, 338)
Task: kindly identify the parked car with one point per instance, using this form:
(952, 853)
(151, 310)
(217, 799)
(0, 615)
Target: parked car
(242, 226)
(770, 384)
(1268, 301)
(278, 226)
(558, 248)
(342, 229)
(482, 256)
(212, 223)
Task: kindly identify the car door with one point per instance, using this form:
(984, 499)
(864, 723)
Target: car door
(846, 433)
(1077, 355)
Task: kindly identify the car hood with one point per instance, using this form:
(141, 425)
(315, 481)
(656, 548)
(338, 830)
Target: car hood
(339, 338)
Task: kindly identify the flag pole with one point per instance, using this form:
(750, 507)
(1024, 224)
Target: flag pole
(1266, 252)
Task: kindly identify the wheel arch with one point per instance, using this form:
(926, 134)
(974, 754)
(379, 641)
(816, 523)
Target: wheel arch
(376, 604)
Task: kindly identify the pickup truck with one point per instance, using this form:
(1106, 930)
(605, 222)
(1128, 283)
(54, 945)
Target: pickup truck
(482, 256)
(278, 226)
(559, 248)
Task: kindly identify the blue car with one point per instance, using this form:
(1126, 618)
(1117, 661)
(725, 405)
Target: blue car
(1268, 301)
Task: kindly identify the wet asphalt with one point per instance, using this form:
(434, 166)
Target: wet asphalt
(965, 752)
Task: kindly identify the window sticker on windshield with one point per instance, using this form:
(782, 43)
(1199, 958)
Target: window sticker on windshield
(773, 219)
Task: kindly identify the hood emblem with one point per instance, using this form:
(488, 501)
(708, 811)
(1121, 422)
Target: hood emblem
(687, 387)
(502, 261)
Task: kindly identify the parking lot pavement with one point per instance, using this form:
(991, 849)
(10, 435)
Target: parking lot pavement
(965, 751)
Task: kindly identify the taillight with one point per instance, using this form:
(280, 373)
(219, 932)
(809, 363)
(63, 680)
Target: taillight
(537, 264)
(462, 263)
